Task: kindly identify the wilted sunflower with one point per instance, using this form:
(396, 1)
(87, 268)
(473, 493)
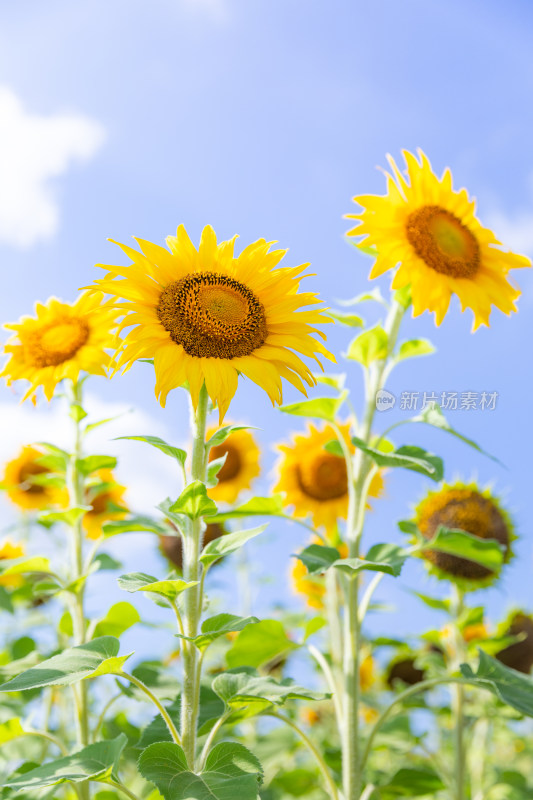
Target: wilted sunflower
(61, 341)
(313, 480)
(466, 508)
(240, 467)
(9, 551)
(21, 477)
(207, 316)
(171, 546)
(519, 655)
(433, 233)
(106, 498)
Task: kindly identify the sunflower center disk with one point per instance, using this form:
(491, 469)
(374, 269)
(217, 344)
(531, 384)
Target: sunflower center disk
(26, 475)
(232, 465)
(441, 240)
(57, 342)
(212, 316)
(474, 514)
(323, 477)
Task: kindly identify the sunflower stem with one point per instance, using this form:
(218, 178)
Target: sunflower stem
(75, 486)
(193, 597)
(358, 470)
(458, 699)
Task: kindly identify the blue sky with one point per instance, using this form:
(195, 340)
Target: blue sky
(264, 117)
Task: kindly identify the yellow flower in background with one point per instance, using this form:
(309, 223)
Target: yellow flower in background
(207, 316)
(240, 467)
(314, 481)
(60, 341)
(432, 232)
(172, 547)
(21, 487)
(312, 588)
(106, 498)
(477, 512)
(9, 551)
(367, 673)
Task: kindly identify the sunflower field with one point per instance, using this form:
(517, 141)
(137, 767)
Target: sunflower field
(253, 546)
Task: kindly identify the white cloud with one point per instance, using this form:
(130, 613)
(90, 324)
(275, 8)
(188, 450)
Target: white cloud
(34, 150)
(149, 475)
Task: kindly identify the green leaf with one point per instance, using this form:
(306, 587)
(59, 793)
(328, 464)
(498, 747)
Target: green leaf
(103, 561)
(372, 296)
(411, 782)
(227, 544)
(155, 441)
(134, 525)
(319, 408)
(256, 507)
(413, 348)
(370, 346)
(432, 415)
(231, 772)
(487, 552)
(239, 688)
(118, 619)
(220, 436)
(211, 709)
(140, 582)
(313, 625)
(512, 687)
(318, 558)
(213, 468)
(409, 457)
(70, 666)
(93, 425)
(217, 626)
(258, 644)
(387, 558)
(69, 517)
(91, 464)
(94, 762)
(352, 320)
(335, 381)
(10, 729)
(77, 412)
(194, 502)
(21, 566)
(434, 602)
(403, 296)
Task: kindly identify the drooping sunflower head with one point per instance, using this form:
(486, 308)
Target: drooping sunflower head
(313, 480)
(172, 549)
(518, 655)
(25, 484)
(59, 342)
(467, 508)
(106, 498)
(432, 232)
(403, 669)
(207, 316)
(9, 551)
(240, 467)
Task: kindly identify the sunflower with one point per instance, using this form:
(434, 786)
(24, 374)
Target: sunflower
(171, 546)
(315, 481)
(311, 587)
(21, 485)
(207, 316)
(403, 668)
(433, 233)
(106, 498)
(60, 341)
(240, 467)
(9, 551)
(464, 507)
(518, 655)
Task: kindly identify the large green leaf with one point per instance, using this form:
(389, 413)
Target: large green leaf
(73, 664)
(137, 524)
(217, 626)
(412, 782)
(259, 643)
(229, 543)
(231, 772)
(160, 444)
(369, 346)
(319, 408)
(387, 558)
(194, 502)
(432, 415)
(240, 687)
(95, 762)
(512, 687)
(487, 552)
(318, 558)
(91, 464)
(118, 619)
(140, 582)
(211, 709)
(255, 507)
(409, 457)
(25, 565)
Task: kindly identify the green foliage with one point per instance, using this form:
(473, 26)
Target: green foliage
(317, 558)
(414, 348)
(220, 625)
(70, 517)
(370, 346)
(118, 619)
(231, 771)
(258, 644)
(193, 502)
(432, 415)
(351, 320)
(138, 524)
(255, 507)
(408, 457)
(220, 436)
(227, 544)
(243, 687)
(91, 464)
(160, 444)
(487, 552)
(319, 407)
(387, 558)
(411, 782)
(140, 582)
(95, 762)
(507, 684)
